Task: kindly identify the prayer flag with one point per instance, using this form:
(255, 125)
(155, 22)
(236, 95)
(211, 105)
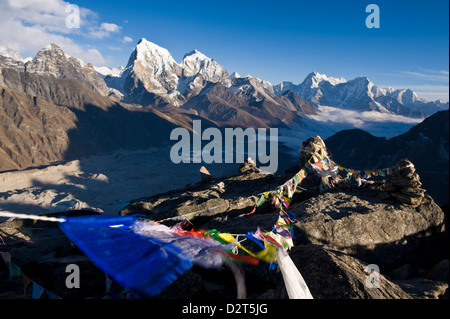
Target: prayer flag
(14, 270)
(37, 291)
(6, 257)
(261, 201)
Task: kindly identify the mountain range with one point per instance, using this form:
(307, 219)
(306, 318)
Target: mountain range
(152, 78)
(56, 107)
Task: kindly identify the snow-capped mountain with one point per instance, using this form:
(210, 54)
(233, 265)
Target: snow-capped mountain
(197, 71)
(152, 77)
(311, 88)
(11, 63)
(360, 94)
(104, 71)
(235, 75)
(52, 61)
(150, 69)
(253, 89)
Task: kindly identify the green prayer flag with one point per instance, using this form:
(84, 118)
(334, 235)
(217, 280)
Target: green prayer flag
(14, 270)
(214, 234)
(261, 201)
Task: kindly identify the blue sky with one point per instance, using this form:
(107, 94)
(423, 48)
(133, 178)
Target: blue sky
(275, 41)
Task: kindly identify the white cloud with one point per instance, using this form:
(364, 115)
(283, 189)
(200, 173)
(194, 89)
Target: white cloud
(50, 15)
(104, 30)
(329, 120)
(29, 25)
(127, 39)
(442, 72)
(432, 76)
(110, 27)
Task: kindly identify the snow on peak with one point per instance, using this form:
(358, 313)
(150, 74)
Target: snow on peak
(112, 72)
(235, 75)
(8, 52)
(195, 57)
(54, 50)
(196, 63)
(150, 54)
(144, 45)
(51, 47)
(195, 54)
(406, 96)
(315, 78)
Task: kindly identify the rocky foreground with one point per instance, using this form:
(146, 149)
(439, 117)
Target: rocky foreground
(338, 233)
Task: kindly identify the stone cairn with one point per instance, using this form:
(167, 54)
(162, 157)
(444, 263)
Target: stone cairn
(312, 151)
(404, 183)
(249, 166)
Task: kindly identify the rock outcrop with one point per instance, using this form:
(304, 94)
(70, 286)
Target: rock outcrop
(382, 232)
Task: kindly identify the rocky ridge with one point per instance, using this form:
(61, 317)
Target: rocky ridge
(338, 232)
(47, 119)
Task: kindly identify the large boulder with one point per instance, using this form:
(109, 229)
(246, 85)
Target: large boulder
(387, 233)
(233, 195)
(331, 274)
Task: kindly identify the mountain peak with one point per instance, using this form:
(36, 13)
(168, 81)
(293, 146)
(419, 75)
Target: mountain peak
(196, 63)
(151, 55)
(193, 52)
(144, 46)
(52, 61)
(196, 55)
(51, 48)
(314, 79)
(235, 75)
(362, 80)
